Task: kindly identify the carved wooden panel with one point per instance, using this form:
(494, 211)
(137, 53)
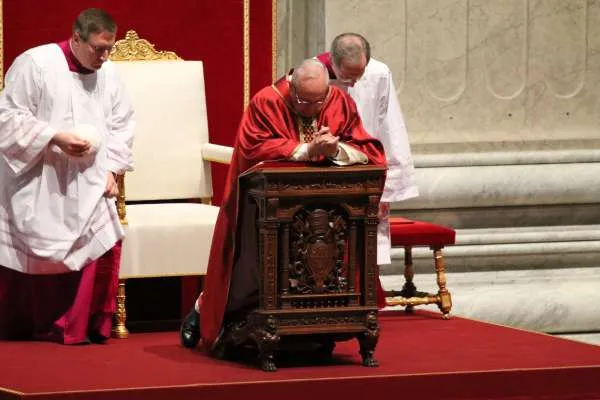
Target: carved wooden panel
(317, 257)
(318, 246)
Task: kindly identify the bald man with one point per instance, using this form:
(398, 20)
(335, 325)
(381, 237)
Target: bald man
(298, 118)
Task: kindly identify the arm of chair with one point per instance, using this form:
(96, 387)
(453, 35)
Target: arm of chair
(210, 152)
(217, 153)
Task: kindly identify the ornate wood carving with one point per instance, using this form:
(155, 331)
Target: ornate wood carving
(371, 274)
(269, 264)
(323, 320)
(267, 339)
(316, 238)
(368, 341)
(318, 243)
(321, 183)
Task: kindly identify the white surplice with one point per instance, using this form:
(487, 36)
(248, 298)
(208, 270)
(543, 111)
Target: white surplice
(53, 214)
(378, 107)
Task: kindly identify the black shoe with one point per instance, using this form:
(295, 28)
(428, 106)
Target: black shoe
(189, 333)
(96, 338)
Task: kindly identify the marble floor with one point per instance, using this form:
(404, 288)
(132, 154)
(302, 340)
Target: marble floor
(589, 338)
(564, 302)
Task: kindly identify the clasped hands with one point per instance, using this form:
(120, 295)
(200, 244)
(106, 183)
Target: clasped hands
(324, 144)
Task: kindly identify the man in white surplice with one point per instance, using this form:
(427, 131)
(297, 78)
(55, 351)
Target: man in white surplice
(66, 131)
(369, 83)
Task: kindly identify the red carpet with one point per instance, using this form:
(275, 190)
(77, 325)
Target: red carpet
(419, 355)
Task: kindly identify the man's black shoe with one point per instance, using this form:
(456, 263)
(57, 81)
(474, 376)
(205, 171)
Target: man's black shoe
(189, 333)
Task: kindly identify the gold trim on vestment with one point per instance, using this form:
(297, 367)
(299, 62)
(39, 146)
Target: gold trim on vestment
(246, 53)
(273, 40)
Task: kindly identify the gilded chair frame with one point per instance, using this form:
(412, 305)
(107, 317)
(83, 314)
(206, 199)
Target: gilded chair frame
(133, 48)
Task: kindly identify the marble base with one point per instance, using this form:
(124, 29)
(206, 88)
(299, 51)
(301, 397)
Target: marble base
(551, 301)
(511, 248)
(505, 185)
(589, 338)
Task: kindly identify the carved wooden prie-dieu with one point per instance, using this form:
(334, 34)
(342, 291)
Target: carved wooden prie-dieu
(316, 230)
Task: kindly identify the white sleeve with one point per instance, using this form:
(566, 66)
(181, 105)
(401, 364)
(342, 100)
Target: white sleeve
(120, 129)
(400, 181)
(23, 137)
(300, 153)
(348, 155)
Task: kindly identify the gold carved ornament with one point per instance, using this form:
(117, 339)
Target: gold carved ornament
(132, 48)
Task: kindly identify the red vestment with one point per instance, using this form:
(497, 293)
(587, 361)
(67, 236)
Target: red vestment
(269, 131)
(325, 59)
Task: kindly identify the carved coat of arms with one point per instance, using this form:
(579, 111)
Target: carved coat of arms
(317, 252)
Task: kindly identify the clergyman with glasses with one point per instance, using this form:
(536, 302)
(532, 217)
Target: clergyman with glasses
(66, 132)
(369, 82)
(298, 118)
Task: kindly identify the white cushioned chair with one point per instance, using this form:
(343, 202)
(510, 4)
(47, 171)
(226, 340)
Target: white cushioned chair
(165, 202)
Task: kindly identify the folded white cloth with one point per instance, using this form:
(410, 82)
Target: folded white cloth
(91, 134)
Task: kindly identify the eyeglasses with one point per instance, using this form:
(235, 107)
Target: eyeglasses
(100, 49)
(304, 102)
(348, 81)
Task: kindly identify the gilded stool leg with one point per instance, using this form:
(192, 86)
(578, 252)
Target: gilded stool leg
(408, 289)
(445, 302)
(119, 329)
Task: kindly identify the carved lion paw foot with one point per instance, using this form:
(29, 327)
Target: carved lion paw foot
(220, 351)
(268, 365)
(370, 362)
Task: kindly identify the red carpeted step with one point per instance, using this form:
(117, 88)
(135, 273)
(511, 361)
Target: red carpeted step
(418, 354)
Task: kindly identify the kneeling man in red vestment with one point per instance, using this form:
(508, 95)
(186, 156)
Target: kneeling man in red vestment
(298, 118)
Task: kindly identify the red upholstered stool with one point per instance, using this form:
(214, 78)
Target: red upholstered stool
(408, 234)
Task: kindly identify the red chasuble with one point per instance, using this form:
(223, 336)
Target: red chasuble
(268, 131)
(325, 59)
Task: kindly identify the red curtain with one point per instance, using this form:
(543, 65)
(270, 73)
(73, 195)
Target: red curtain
(211, 31)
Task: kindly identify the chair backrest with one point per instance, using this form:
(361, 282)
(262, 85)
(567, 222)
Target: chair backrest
(167, 94)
